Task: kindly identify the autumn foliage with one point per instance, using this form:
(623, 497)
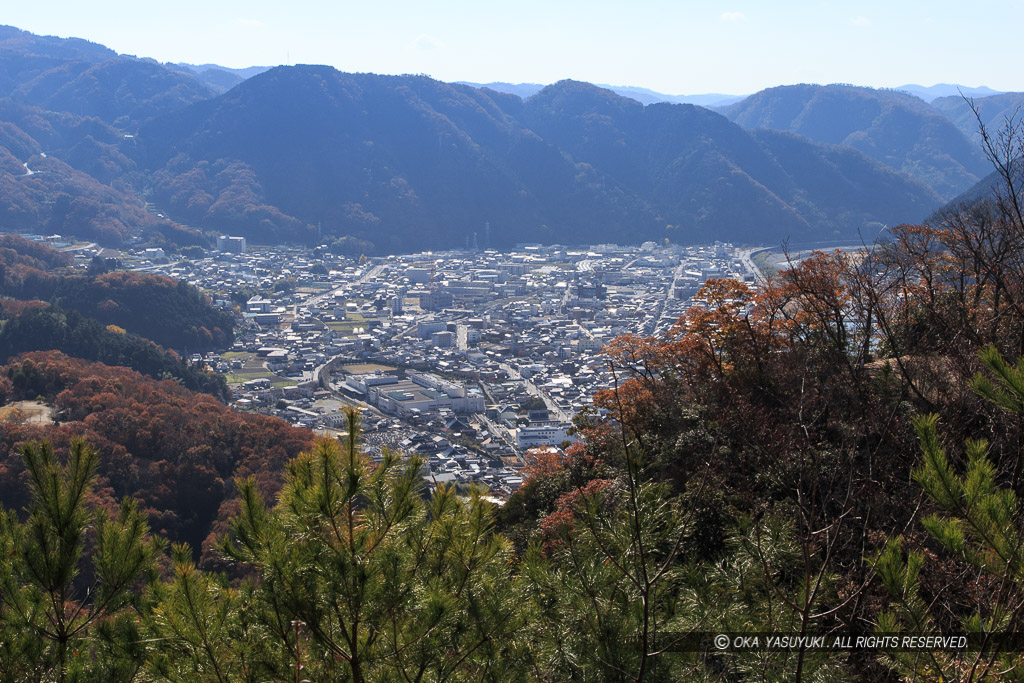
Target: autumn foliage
(170, 312)
(796, 399)
(175, 451)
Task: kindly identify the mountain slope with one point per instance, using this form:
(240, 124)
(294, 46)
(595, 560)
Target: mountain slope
(79, 77)
(66, 164)
(408, 162)
(932, 92)
(42, 193)
(894, 128)
(78, 184)
(351, 152)
(710, 175)
(993, 110)
(641, 95)
(119, 91)
(24, 55)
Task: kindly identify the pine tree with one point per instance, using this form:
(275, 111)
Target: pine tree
(979, 523)
(196, 625)
(64, 619)
(607, 591)
(360, 580)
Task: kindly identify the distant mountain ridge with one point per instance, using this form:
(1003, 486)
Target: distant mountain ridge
(994, 112)
(642, 95)
(894, 128)
(76, 76)
(933, 92)
(401, 162)
(243, 73)
(408, 162)
(46, 51)
(719, 100)
(219, 78)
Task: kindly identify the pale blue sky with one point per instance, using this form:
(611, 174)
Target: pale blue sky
(677, 47)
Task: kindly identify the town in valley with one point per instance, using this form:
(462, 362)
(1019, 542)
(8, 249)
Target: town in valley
(470, 359)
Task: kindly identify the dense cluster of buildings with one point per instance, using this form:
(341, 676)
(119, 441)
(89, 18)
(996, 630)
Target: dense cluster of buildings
(468, 359)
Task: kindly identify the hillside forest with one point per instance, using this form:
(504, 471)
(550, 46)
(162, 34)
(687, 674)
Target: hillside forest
(113, 148)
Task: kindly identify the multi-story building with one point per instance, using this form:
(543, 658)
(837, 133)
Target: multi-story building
(231, 245)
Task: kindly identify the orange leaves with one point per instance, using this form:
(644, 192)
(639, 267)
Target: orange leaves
(723, 294)
(548, 460)
(702, 341)
(816, 299)
(542, 462)
(559, 523)
(177, 449)
(10, 308)
(641, 355)
(702, 345)
(629, 404)
(733, 339)
(956, 287)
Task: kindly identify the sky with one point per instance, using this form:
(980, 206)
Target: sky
(681, 48)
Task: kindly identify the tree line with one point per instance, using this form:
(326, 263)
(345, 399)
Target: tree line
(172, 313)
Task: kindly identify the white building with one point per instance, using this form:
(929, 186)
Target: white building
(550, 434)
(443, 339)
(417, 275)
(425, 328)
(232, 245)
(422, 393)
(466, 336)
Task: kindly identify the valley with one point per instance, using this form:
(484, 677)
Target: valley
(506, 327)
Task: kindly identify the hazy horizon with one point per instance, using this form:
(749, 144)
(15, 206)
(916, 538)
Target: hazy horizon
(731, 48)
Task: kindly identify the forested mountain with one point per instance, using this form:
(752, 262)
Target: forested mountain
(44, 328)
(44, 194)
(641, 95)
(170, 312)
(68, 174)
(24, 55)
(895, 128)
(75, 76)
(66, 154)
(408, 162)
(933, 92)
(119, 91)
(83, 142)
(984, 190)
(173, 449)
(994, 111)
(405, 162)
